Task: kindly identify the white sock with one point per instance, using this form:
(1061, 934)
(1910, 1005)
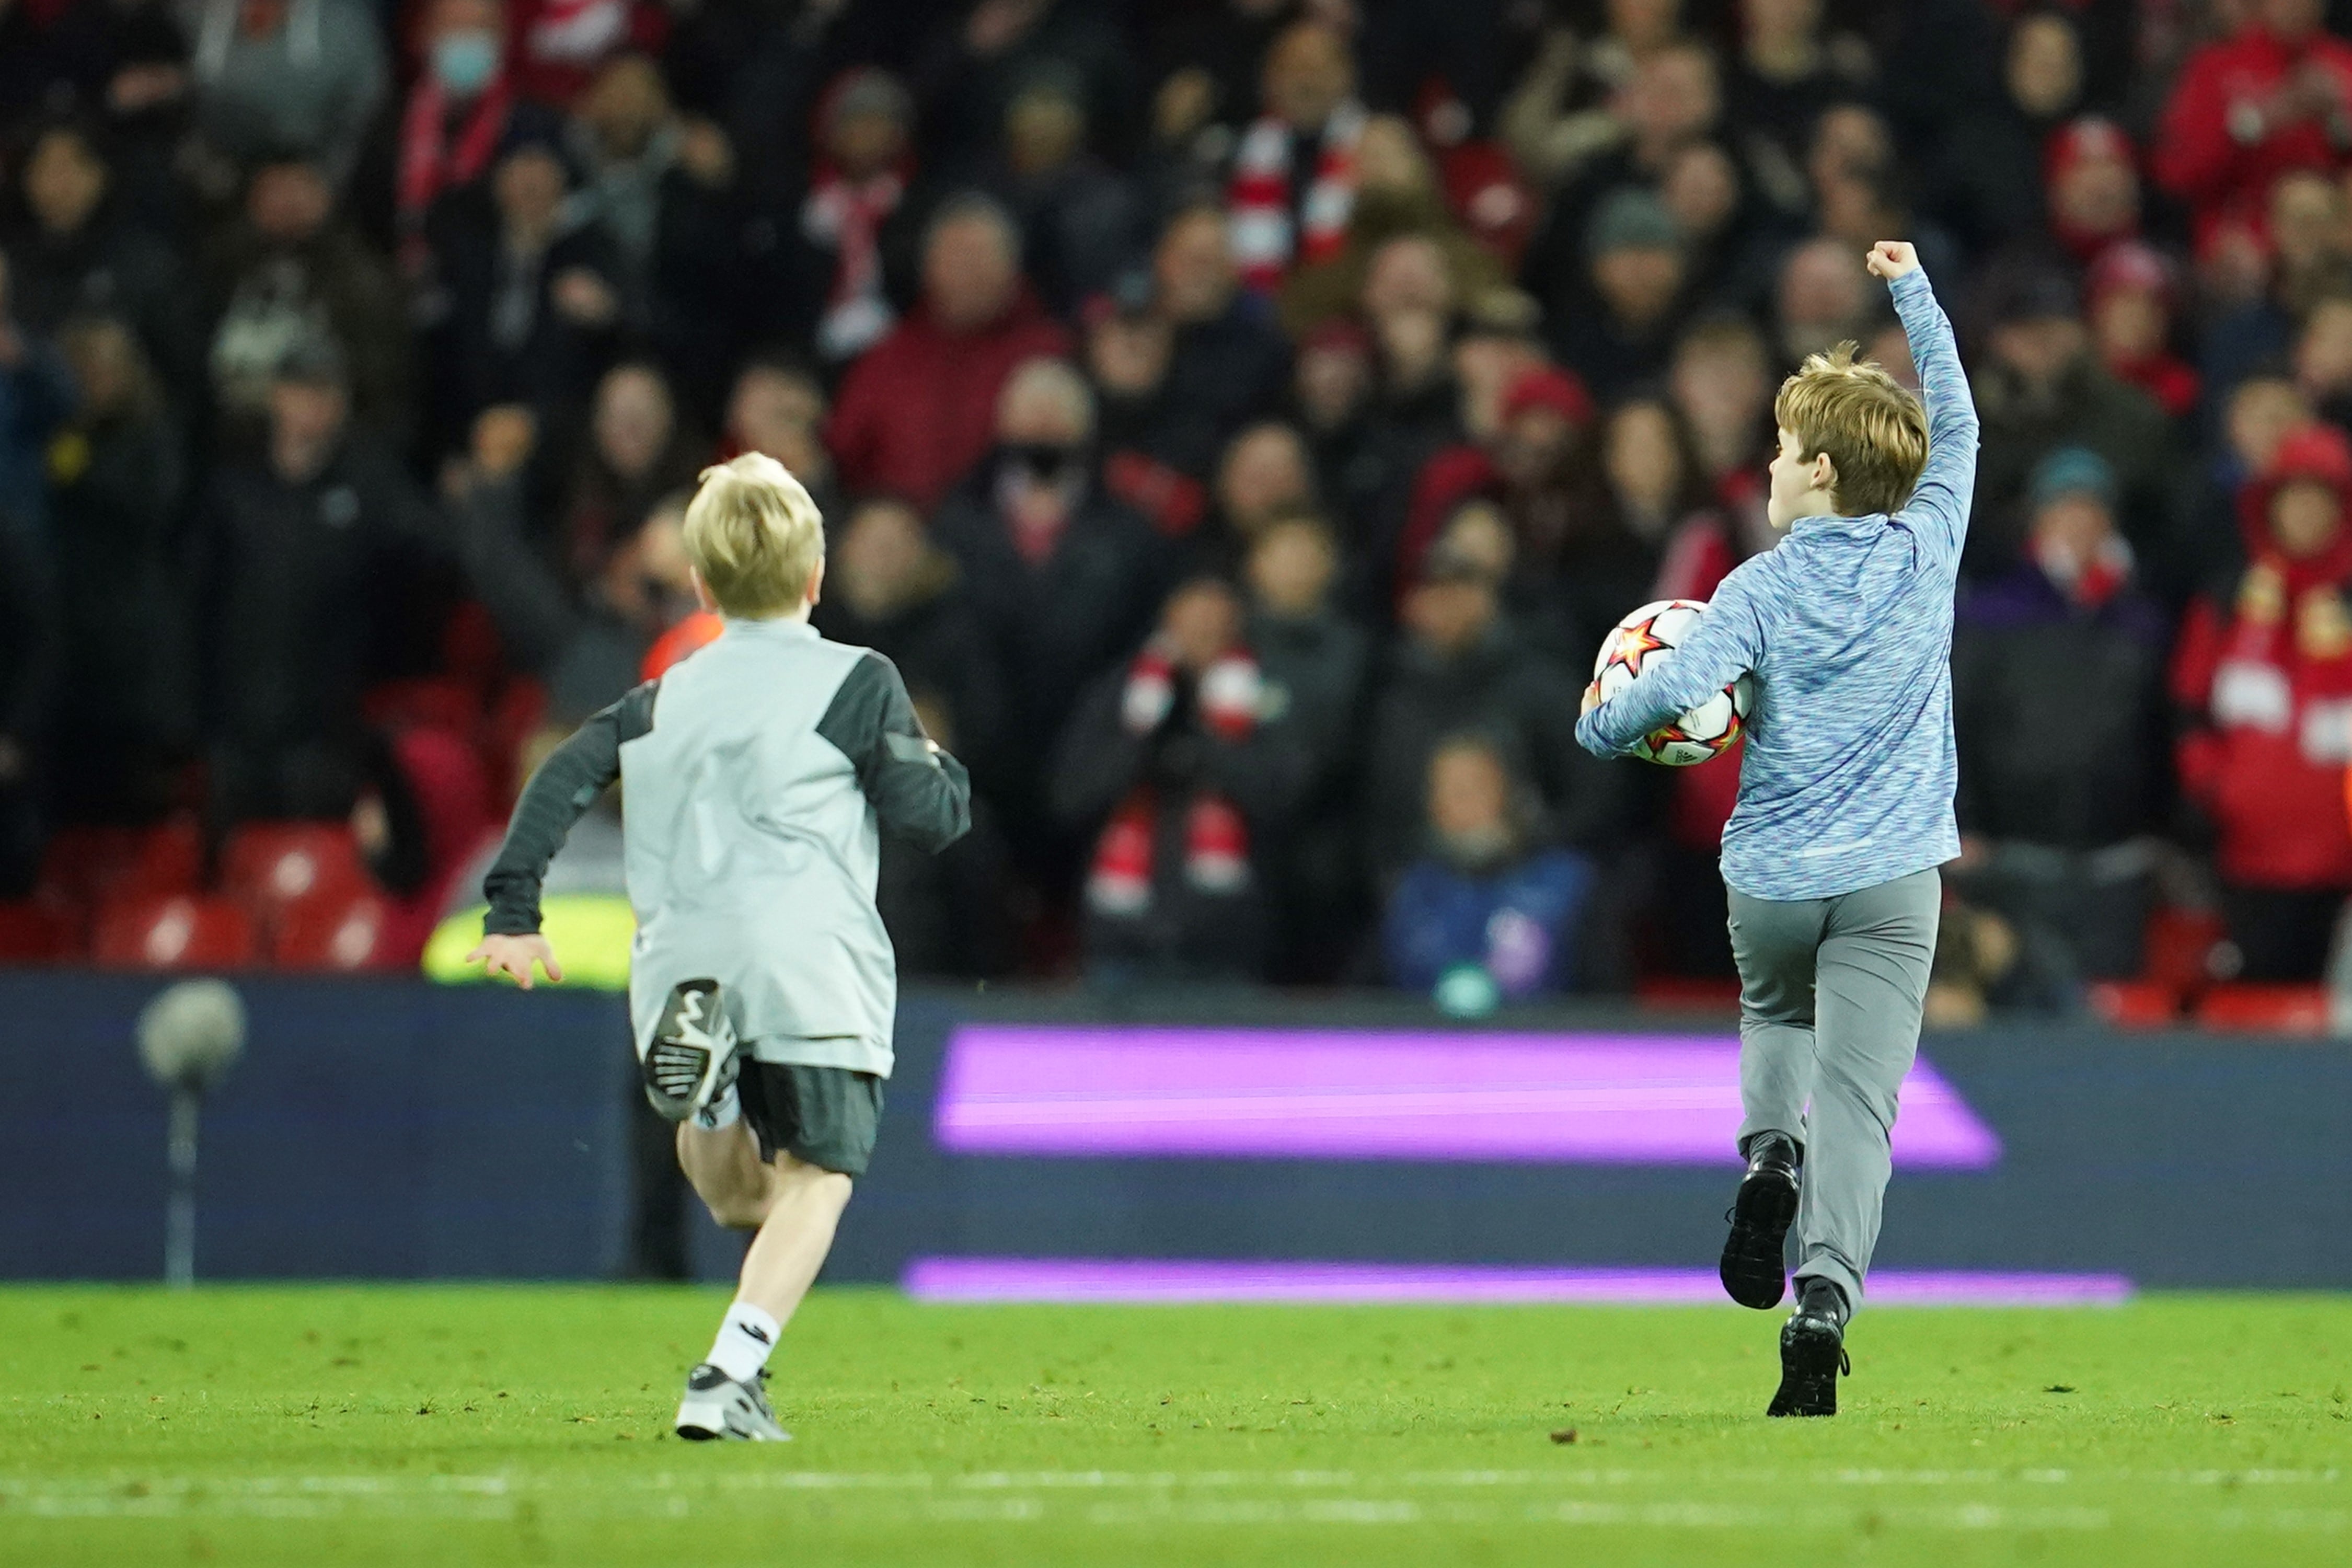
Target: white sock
(720, 1113)
(745, 1340)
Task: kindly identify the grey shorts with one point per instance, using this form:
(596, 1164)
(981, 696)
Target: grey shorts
(825, 1116)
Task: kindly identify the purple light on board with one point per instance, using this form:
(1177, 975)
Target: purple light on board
(1149, 1280)
(1332, 1094)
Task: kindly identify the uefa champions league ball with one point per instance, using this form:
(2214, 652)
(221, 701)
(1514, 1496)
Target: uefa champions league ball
(1651, 634)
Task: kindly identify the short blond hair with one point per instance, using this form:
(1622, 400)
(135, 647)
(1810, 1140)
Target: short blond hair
(1872, 426)
(754, 536)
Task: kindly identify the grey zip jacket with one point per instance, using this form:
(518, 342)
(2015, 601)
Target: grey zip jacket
(758, 777)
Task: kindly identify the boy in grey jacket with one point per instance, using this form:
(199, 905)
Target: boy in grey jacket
(1845, 804)
(759, 774)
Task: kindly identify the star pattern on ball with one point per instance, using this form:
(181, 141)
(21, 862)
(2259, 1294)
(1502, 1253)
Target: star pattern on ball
(1637, 642)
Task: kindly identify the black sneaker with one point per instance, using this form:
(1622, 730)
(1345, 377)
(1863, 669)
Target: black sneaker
(1754, 1266)
(690, 1062)
(1813, 1354)
(717, 1407)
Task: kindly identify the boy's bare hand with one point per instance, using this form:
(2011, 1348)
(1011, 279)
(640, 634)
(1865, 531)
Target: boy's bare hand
(1891, 259)
(1591, 698)
(514, 955)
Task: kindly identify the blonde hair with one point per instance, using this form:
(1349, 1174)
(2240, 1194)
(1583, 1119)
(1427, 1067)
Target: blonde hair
(1875, 431)
(754, 536)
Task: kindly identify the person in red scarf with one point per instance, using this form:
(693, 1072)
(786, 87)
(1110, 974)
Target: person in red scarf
(1180, 762)
(1294, 176)
(864, 126)
(2276, 95)
(457, 114)
(2133, 292)
(2265, 674)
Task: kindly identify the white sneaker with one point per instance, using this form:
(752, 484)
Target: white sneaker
(691, 1061)
(718, 1406)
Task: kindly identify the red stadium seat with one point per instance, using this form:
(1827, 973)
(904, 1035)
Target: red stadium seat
(334, 931)
(271, 866)
(2265, 1009)
(35, 932)
(2136, 1003)
(88, 865)
(174, 931)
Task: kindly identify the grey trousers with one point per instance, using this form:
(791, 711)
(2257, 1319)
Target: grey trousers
(1830, 995)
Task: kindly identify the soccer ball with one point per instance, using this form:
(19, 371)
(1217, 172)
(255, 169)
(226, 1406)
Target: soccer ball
(1651, 634)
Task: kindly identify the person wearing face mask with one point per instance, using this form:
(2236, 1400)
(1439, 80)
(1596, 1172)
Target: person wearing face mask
(457, 113)
(2059, 713)
(1063, 579)
(1487, 895)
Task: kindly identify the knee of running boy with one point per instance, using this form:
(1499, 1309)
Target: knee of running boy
(799, 1178)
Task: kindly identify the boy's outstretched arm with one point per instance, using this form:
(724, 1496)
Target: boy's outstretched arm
(1729, 641)
(564, 785)
(1947, 486)
(919, 793)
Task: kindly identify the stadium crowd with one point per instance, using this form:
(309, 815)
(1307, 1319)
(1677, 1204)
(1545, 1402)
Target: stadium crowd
(1239, 419)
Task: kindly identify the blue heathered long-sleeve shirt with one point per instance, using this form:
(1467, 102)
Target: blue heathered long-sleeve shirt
(1847, 628)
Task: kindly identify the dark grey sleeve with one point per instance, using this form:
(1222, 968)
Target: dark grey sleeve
(919, 793)
(564, 785)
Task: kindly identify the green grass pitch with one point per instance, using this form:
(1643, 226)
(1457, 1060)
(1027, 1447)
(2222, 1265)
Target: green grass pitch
(455, 1425)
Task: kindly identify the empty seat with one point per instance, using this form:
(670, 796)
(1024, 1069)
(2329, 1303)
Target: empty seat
(35, 932)
(267, 867)
(335, 932)
(2265, 1009)
(176, 931)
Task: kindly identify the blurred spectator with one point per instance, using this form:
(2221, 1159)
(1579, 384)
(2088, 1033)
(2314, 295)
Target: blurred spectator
(1985, 175)
(1063, 578)
(1722, 385)
(1588, 116)
(295, 549)
(80, 252)
(2265, 674)
(1080, 221)
(1788, 66)
(1459, 667)
(972, 70)
(1486, 894)
(30, 655)
(2058, 701)
(1622, 334)
(587, 642)
(2323, 358)
(2133, 295)
(127, 64)
(663, 188)
(1396, 193)
(857, 202)
(915, 412)
(1227, 359)
(1265, 475)
(119, 480)
(36, 392)
(287, 271)
(1823, 298)
(287, 78)
(2309, 257)
(2208, 551)
(562, 44)
(1986, 966)
(1293, 179)
(2039, 388)
(1144, 435)
(458, 112)
(888, 587)
(1314, 663)
(639, 451)
(2277, 94)
(1655, 484)
(522, 300)
(2093, 184)
(1188, 779)
(949, 915)
(1575, 566)
(777, 408)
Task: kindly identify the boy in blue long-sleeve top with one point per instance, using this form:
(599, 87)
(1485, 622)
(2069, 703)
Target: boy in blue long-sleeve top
(1845, 804)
